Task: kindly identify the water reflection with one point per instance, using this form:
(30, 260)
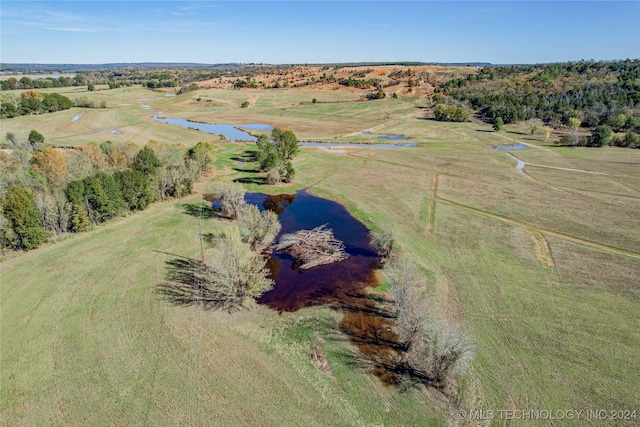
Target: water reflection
(325, 284)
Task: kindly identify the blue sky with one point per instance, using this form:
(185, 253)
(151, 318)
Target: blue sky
(281, 32)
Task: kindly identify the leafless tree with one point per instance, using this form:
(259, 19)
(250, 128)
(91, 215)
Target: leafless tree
(259, 229)
(235, 272)
(435, 349)
(313, 247)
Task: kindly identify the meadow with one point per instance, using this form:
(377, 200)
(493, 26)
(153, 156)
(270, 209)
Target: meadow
(541, 265)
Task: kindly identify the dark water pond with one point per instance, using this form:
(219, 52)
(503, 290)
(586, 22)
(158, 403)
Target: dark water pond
(326, 284)
(341, 285)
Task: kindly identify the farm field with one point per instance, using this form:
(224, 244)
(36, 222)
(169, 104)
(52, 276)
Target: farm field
(540, 264)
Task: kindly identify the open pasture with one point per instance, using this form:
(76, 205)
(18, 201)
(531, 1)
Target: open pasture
(541, 266)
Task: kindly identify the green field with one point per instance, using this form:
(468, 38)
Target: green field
(541, 266)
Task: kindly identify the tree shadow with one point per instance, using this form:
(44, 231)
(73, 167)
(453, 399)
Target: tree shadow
(185, 286)
(246, 170)
(378, 351)
(199, 210)
(368, 324)
(258, 180)
(246, 156)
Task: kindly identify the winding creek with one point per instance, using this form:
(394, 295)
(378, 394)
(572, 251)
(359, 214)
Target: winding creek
(236, 133)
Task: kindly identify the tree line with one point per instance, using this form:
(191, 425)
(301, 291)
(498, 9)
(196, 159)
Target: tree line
(47, 191)
(32, 102)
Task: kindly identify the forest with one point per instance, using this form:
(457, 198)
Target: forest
(597, 93)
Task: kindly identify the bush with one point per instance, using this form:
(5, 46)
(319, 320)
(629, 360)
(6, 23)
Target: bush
(451, 113)
(231, 197)
(376, 95)
(497, 124)
(382, 242)
(258, 228)
(245, 104)
(600, 136)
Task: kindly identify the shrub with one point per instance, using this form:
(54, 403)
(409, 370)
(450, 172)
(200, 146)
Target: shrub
(231, 197)
(258, 228)
(382, 241)
(497, 124)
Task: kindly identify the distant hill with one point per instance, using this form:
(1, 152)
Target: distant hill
(73, 68)
(26, 68)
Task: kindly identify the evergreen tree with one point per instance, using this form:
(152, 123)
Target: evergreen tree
(146, 161)
(497, 124)
(135, 189)
(22, 212)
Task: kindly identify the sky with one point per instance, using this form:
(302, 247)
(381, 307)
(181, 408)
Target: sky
(298, 32)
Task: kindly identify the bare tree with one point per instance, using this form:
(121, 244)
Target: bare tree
(235, 272)
(383, 242)
(407, 286)
(259, 229)
(435, 350)
(231, 197)
(440, 352)
(313, 247)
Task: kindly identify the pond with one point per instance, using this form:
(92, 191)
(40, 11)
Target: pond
(355, 145)
(231, 132)
(508, 147)
(326, 284)
(366, 319)
(236, 133)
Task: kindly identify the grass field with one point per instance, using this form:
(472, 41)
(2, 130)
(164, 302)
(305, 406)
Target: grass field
(541, 266)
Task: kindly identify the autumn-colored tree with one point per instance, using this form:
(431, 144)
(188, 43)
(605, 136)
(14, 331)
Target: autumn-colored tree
(51, 164)
(95, 155)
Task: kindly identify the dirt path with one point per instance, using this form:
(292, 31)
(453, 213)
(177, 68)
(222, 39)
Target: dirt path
(543, 249)
(432, 202)
(521, 164)
(380, 126)
(199, 187)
